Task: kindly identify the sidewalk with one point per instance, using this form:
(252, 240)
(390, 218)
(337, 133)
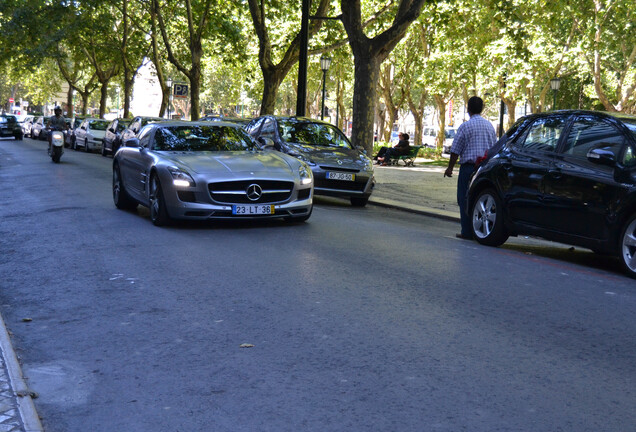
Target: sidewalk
(419, 189)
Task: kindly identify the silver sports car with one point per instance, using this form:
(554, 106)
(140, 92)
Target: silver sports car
(207, 170)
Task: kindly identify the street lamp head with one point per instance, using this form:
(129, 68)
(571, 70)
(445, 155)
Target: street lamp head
(555, 83)
(325, 62)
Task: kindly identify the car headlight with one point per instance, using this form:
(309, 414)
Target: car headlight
(181, 178)
(368, 163)
(306, 176)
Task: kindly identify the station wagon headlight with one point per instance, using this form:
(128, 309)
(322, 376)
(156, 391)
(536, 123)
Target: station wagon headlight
(305, 174)
(181, 178)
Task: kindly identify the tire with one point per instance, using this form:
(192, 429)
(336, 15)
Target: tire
(122, 200)
(103, 149)
(359, 202)
(57, 155)
(86, 149)
(487, 219)
(157, 204)
(73, 143)
(19, 137)
(627, 247)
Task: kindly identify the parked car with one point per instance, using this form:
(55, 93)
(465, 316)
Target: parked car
(26, 122)
(38, 129)
(135, 126)
(567, 176)
(90, 133)
(112, 137)
(238, 120)
(429, 137)
(339, 169)
(9, 126)
(69, 134)
(208, 170)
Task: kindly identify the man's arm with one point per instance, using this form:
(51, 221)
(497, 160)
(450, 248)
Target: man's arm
(451, 164)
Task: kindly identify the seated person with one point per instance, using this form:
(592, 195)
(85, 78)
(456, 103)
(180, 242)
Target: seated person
(401, 148)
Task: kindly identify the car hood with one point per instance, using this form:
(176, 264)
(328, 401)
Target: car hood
(332, 156)
(230, 162)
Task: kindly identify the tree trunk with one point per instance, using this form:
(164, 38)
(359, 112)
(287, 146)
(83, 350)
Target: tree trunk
(440, 103)
(103, 97)
(70, 109)
(367, 72)
(272, 78)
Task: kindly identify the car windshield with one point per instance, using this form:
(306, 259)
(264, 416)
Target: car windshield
(201, 138)
(145, 121)
(450, 133)
(7, 119)
(77, 121)
(316, 134)
(99, 124)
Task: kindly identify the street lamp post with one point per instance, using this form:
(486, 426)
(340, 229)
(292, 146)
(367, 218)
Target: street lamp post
(169, 83)
(325, 62)
(555, 83)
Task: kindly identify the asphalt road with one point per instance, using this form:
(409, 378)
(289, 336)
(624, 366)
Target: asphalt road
(359, 320)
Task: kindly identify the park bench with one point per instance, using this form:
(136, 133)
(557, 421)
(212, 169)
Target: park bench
(409, 158)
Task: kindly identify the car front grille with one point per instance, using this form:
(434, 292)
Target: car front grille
(236, 192)
(323, 183)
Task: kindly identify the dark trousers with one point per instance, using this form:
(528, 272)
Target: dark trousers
(465, 172)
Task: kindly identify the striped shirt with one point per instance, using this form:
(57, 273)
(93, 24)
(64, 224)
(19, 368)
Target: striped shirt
(473, 138)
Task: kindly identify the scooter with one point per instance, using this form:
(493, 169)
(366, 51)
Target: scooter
(56, 146)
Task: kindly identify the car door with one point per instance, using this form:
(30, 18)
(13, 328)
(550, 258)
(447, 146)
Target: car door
(135, 164)
(579, 193)
(530, 157)
(80, 133)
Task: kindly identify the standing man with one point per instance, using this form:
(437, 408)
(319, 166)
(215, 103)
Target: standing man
(472, 140)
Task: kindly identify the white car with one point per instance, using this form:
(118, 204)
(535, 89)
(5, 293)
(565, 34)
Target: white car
(90, 133)
(429, 137)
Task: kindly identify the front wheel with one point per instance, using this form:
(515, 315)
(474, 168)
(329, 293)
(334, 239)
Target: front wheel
(103, 149)
(57, 154)
(122, 200)
(487, 219)
(158, 212)
(86, 149)
(627, 252)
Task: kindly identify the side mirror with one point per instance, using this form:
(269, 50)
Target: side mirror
(264, 142)
(132, 142)
(602, 156)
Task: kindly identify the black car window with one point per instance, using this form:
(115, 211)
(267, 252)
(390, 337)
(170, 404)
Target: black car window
(268, 130)
(588, 133)
(201, 138)
(316, 134)
(629, 158)
(144, 137)
(543, 134)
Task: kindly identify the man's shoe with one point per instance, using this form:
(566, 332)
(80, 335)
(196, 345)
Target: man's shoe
(462, 236)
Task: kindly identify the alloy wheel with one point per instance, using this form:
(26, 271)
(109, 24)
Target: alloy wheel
(628, 247)
(484, 215)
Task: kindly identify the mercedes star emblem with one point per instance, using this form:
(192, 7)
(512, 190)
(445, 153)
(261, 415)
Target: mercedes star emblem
(253, 192)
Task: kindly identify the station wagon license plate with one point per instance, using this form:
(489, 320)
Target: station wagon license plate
(341, 176)
(248, 210)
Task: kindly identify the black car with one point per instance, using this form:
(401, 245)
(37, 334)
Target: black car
(339, 168)
(567, 176)
(112, 139)
(9, 126)
(238, 120)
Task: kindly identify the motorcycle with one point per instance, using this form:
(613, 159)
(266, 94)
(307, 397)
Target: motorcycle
(56, 144)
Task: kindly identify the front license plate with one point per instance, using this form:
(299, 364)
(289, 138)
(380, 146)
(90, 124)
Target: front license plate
(341, 176)
(247, 210)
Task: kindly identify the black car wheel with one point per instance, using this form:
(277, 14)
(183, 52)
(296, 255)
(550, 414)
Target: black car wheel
(627, 253)
(19, 136)
(104, 149)
(86, 149)
(158, 211)
(122, 200)
(487, 219)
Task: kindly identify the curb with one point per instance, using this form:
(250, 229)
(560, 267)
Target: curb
(411, 208)
(26, 408)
